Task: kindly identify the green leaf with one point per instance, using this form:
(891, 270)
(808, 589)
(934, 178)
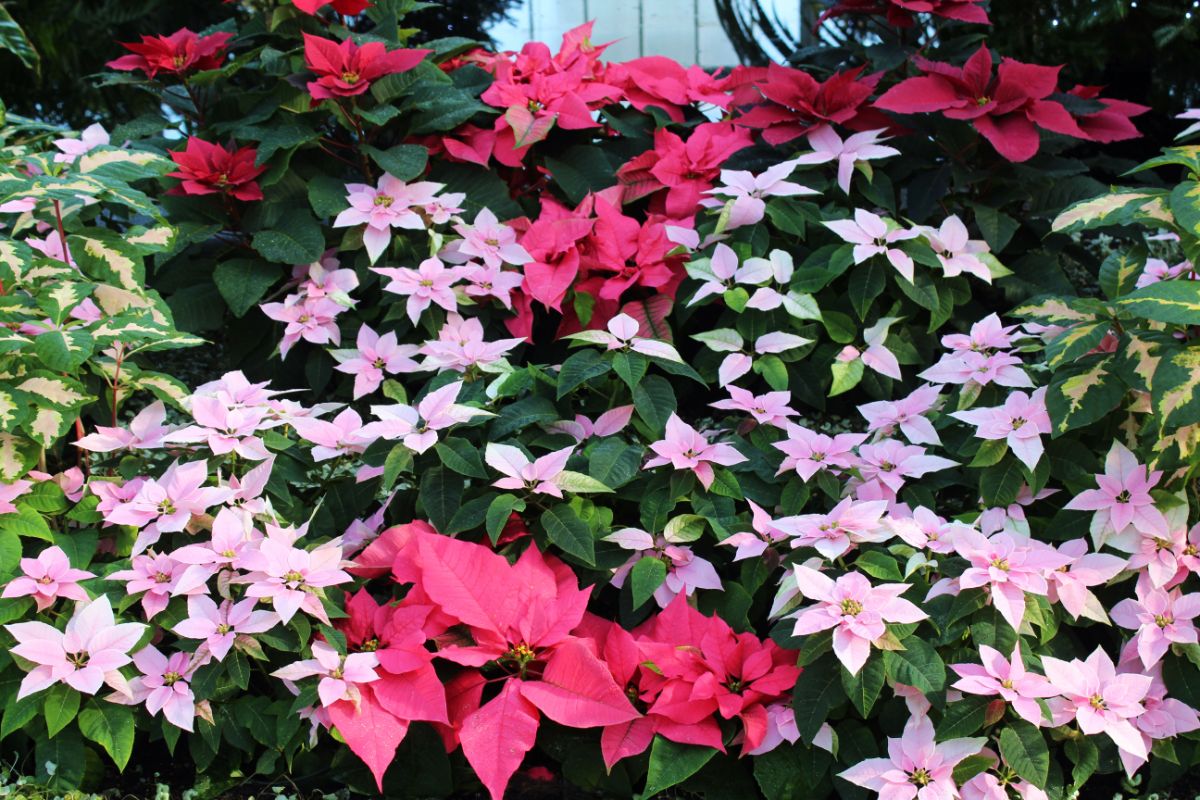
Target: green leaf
(1120, 271)
(441, 495)
(999, 484)
(60, 707)
(1082, 393)
(67, 755)
(110, 726)
(1085, 757)
(990, 452)
(1024, 749)
(672, 763)
(579, 483)
(1175, 389)
(867, 281)
(10, 551)
(579, 368)
(996, 226)
(919, 666)
(864, 688)
(818, 691)
(27, 523)
(14, 40)
(461, 456)
(327, 195)
(631, 367)
(569, 533)
(64, 350)
(879, 565)
(1185, 205)
(498, 513)
(1075, 342)
(404, 161)
(846, 375)
(1175, 302)
(654, 400)
(964, 718)
(645, 577)
(295, 239)
(243, 282)
(613, 462)
(532, 410)
(971, 766)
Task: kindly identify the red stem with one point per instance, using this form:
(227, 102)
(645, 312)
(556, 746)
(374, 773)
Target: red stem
(62, 234)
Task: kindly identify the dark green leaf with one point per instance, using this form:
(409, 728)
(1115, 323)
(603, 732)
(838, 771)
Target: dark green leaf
(863, 689)
(672, 763)
(1023, 748)
(569, 533)
(461, 456)
(645, 577)
(243, 282)
(818, 691)
(295, 239)
(919, 665)
(110, 726)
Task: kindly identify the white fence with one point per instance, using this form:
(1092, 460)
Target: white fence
(685, 30)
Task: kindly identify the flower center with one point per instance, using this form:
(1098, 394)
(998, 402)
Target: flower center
(1123, 497)
(817, 457)
(1000, 563)
(983, 101)
(1017, 423)
(179, 61)
(522, 654)
(886, 466)
(851, 607)
(1097, 702)
(293, 577)
(166, 507)
(384, 200)
(229, 553)
(349, 77)
(171, 678)
(370, 646)
(1007, 683)
(162, 577)
(920, 777)
(80, 660)
(45, 579)
(735, 685)
(1163, 620)
(426, 283)
(1191, 550)
(224, 628)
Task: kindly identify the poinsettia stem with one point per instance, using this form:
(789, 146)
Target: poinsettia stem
(191, 93)
(116, 383)
(62, 233)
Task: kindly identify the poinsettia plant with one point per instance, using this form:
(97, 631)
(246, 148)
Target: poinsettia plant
(627, 424)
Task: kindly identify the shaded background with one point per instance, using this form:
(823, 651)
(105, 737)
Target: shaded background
(1143, 50)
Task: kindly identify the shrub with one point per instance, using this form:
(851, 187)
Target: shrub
(681, 441)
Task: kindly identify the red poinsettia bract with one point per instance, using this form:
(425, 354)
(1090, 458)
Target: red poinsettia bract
(1006, 109)
(664, 83)
(515, 621)
(539, 90)
(684, 670)
(900, 12)
(407, 690)
(1112, 123)
(207, 168)
(180, 53)
(345, 69)
(685, 169)
(789, 102)
(348, 8)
